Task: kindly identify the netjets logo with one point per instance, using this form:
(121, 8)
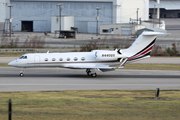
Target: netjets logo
(108, 55)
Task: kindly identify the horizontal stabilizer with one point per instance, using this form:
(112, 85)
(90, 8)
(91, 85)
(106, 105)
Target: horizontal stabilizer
(154, 33)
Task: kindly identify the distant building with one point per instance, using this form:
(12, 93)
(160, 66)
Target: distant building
(35, 15)
(164, 9)
(4, 10)
(120, 29)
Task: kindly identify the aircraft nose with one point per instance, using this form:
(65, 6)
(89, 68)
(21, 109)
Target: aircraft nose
(12, 63)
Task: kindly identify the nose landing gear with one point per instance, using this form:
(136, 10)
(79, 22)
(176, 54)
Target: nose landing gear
(21, 72)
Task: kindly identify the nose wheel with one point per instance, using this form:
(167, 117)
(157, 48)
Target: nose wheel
(22, 72)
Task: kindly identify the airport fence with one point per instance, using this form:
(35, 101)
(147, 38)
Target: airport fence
(46, 110)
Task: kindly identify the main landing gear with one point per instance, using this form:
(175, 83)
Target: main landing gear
(22, 72)
(91, 72)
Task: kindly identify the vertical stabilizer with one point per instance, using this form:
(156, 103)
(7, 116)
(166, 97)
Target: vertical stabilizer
(142, 46)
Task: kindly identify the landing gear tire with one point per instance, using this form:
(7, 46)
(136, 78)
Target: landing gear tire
(94, 75)
(21, 74)
(89, 73)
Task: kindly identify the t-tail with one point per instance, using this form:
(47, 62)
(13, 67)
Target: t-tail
(142, 46)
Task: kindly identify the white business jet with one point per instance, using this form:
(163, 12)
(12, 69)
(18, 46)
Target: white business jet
(102, 60)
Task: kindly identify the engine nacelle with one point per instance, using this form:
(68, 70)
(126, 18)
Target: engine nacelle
(106, 55)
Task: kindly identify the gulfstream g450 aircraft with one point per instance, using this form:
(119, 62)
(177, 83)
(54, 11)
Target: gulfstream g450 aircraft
(102, 60)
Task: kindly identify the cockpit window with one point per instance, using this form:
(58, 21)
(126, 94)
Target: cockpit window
(21, 57)
(25, 57)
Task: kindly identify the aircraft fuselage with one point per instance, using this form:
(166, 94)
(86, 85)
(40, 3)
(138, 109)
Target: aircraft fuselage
(68, 60)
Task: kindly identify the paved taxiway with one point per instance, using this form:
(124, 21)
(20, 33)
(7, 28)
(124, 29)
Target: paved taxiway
(47, 79)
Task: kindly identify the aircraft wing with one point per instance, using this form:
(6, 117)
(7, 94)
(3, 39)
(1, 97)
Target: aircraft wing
(103, 68)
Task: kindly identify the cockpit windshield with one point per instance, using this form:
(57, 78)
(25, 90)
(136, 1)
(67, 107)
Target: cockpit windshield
(23, 57)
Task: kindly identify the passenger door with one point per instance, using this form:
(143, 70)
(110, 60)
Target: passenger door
(36, 60)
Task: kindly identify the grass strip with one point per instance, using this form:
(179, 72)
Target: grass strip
(95, 104)
(4, 65)
(12, 54)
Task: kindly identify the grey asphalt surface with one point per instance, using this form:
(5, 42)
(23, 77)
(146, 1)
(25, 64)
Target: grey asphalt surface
(50, 79)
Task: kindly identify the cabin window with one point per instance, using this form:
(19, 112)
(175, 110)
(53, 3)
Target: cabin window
(21, 57)
(45, 59)
(68, 59)
(83, 58)
(60, 59)
(53, 59)
(25, 57)
(75, 59)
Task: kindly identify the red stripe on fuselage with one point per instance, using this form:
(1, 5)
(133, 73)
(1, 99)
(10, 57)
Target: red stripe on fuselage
(141, 53)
